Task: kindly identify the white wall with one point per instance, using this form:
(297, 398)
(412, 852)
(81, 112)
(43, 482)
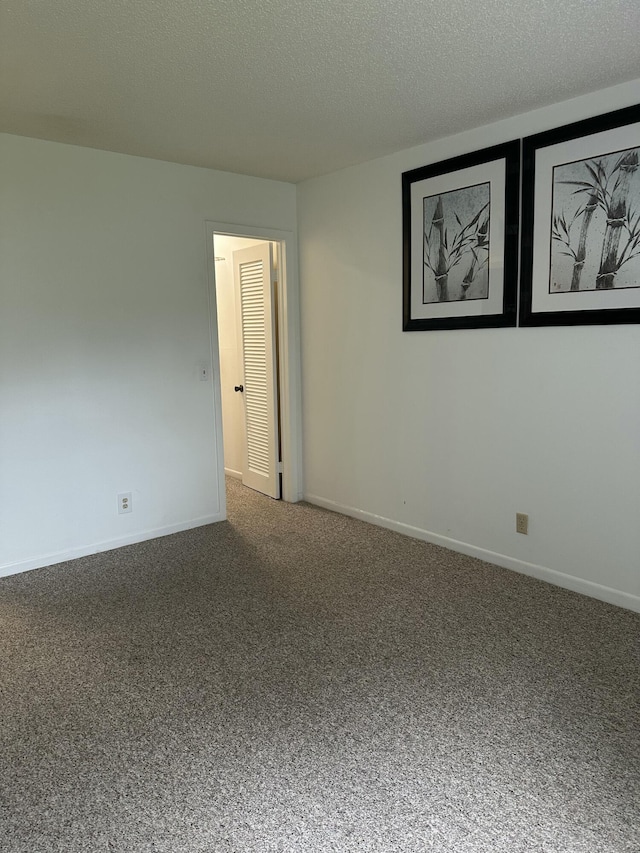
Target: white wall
(104, 321)
(230, 371)
(447, 434)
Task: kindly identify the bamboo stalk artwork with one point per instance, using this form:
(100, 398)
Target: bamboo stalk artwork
(441, 272)
(596, 223)
(456, 229)
(617, 219)
(482, 244)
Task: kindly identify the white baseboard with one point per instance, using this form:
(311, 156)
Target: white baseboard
(237, 475)
(590, 588)
(109, 545)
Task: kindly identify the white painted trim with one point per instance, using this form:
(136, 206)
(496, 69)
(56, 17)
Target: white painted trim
(237, 475)
(214, 354)
(108, 545)
(590, 588)
(290, 372)
(289, 344)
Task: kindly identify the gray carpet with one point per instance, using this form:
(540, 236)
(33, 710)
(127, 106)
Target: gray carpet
(294, 680)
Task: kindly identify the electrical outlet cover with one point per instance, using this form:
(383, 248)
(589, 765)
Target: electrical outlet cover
(124, 503)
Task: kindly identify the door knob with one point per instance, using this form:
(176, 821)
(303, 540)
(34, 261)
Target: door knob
(239, 388)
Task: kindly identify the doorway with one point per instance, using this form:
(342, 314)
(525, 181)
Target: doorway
(246, 298)
(259, 343)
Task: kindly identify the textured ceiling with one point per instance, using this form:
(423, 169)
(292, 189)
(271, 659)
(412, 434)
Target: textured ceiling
(289, 89)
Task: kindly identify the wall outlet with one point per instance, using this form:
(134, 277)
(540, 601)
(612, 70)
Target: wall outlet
(522, 523)
(124, 503)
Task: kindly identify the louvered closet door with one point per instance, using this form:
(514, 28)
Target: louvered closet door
(257, 336)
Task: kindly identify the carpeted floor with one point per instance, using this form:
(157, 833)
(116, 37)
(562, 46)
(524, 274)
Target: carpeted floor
(294, 680)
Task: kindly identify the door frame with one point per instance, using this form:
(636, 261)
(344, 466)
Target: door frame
(288, 351)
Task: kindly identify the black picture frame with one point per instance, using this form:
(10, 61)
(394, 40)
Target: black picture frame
(568, 257)
(476, 252)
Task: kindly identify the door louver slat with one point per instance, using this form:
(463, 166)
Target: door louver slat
(254, 345)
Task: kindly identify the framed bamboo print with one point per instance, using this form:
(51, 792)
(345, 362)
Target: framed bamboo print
(460, 241)
(581, 223)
